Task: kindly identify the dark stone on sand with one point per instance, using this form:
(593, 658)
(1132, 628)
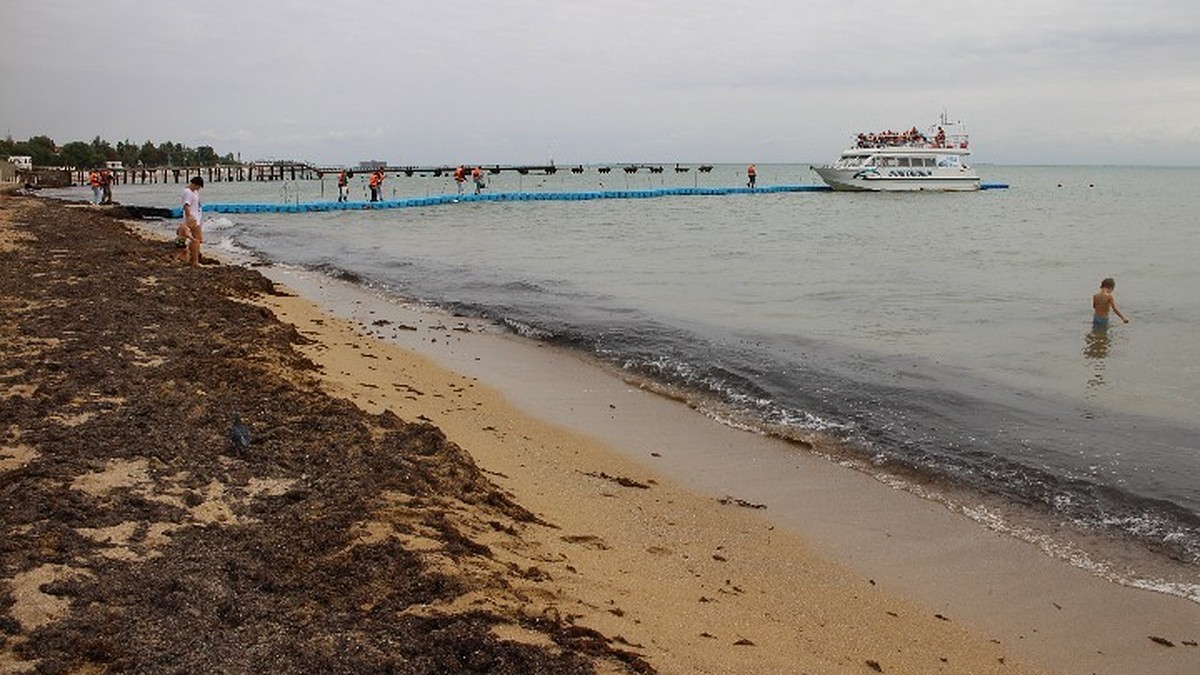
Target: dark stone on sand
(239, 435)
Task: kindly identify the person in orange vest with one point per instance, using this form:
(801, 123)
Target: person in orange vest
(343, 186)
(477, 176)
(751, 176)
(460, 175)
(94, 182)
(374, 182)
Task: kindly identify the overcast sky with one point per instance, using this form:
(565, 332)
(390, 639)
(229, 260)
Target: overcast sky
(511, 81)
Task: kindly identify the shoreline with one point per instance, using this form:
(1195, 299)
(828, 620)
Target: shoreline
(838, 572)
(1060, 616)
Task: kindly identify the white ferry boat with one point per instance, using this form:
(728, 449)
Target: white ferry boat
(905, 161)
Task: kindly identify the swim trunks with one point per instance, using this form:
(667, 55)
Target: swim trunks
(1099, 322)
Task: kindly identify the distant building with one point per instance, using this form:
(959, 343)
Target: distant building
(372, 164)
(114, 165)
(21, 161)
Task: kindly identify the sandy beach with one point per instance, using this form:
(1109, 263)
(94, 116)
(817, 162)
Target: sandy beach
(427, 494)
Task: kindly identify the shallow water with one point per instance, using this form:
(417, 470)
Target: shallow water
(946, 334)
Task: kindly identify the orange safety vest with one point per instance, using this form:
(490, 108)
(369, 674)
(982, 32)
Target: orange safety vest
(94, 179)
(750, 171)
(476, 173)
(374, 182)
(458, 174)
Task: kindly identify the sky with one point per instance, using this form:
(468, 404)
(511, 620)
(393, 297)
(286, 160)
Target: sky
(336, 82)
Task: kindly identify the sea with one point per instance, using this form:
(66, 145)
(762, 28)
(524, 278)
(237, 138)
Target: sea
(942, 339)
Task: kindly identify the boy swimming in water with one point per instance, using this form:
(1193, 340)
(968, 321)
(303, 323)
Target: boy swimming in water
(1102, 302)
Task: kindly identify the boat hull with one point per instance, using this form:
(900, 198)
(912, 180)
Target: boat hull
(859, 180)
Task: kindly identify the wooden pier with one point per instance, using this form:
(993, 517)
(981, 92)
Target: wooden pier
(258, 171)
(272, 171)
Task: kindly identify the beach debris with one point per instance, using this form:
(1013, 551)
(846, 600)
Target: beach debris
(619, 480)
(732, 501)
(940, 617)
(1162, 641)
(587, 540)
(239, 435)
(874, 665)
(743, 643)
(621, 639)
(731, 588)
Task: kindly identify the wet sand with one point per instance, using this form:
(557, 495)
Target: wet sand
(594, 505)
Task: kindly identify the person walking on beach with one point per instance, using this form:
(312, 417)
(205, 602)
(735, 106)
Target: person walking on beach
(343, 186)
(106, 183)
(751, 176)
(183, 242)
(1102, 302)
(192, 218)
(94, 182)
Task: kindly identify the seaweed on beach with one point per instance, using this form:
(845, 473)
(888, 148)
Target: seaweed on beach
(157, 547)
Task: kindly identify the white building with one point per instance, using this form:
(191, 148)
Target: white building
(21, 161)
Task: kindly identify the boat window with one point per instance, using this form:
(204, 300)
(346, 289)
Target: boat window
(904, 161)
(886, 161)
(929, 161)
(948, 160)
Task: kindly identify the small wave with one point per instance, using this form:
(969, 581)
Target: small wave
(339, 273)
(218, 223)
(528, 331)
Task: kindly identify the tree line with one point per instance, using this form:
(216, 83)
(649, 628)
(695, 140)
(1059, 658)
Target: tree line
(85, 155)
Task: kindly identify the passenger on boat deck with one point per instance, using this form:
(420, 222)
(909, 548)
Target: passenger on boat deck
(940, 139)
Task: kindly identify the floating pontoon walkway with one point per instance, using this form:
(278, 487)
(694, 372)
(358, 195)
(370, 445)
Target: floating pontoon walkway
(439, 200)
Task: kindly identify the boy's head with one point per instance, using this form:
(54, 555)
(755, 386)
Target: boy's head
(196, 182)
(1108, 283)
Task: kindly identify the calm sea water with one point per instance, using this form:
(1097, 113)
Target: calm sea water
(945, 336)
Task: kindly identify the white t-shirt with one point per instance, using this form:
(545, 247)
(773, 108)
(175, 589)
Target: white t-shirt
(191, 202)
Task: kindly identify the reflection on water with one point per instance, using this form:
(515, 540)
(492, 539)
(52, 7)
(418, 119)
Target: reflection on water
(1096, 343)
(1095, 348)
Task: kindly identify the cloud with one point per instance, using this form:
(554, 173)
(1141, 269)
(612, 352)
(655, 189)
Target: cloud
(665, 81)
